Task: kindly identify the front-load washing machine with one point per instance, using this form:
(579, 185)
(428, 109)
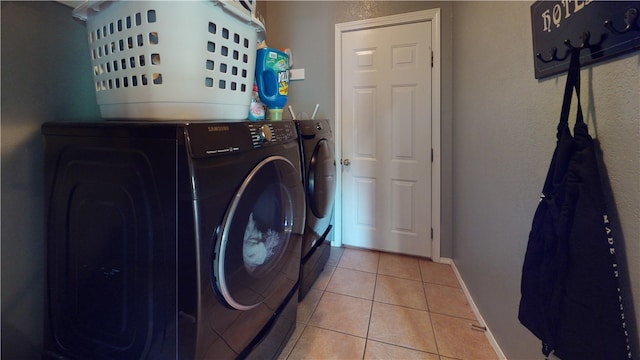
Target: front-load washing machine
(172, 240)
(319, 164)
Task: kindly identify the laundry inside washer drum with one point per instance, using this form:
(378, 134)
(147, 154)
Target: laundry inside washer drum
(268, 229)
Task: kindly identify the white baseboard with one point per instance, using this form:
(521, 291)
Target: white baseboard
(444, 260)
(475, 310)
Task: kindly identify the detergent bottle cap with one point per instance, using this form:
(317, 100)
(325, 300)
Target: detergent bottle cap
(275, 114)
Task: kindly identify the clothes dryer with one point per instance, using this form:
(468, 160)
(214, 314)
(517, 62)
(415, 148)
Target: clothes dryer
(319, 164)
(172, 240)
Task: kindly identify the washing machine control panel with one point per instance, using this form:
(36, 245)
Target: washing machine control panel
(266, 133)
(212, 139)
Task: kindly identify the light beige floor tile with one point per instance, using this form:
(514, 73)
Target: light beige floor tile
(457, 339)
(352, 282)
(292, 341)
(357, 259)
(308, 305)
(436, 273)
(396, 291)
(448, 300)
(402, 266)
(342, 313)
(337, 315)
(402, 326)
(334, 258)
(380, 351)
(316, 343)
(323, 278)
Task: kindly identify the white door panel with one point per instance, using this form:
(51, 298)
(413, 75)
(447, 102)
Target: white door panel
(386, 135)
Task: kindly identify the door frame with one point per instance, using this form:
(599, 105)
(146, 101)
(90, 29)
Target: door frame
(432, 15)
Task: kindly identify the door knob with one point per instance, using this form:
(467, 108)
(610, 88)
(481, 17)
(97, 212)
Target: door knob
(346, 162)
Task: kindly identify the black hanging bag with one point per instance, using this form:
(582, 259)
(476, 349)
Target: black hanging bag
(570, 289)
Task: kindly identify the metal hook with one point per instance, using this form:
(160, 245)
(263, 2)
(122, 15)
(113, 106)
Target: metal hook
(585, 42)
(630, 17)
(554, 56)
(586, 36)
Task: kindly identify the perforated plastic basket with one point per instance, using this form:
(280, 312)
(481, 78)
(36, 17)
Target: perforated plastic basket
(172, 60)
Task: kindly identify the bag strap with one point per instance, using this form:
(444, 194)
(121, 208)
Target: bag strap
(573, 81)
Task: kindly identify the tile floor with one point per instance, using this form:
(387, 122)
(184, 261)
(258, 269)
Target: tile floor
(374, 305)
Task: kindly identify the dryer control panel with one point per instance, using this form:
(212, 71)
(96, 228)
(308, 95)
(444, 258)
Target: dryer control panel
(310, 129)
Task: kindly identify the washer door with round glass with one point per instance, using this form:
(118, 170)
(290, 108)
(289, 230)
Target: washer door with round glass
(321, 186)
(260, 236)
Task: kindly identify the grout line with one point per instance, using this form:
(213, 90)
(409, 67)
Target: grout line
(399, 305)
(433, 329)
(373, 296)
(408, 348)
(337, 331)
(402, 278)
(426, 299)
(348, 295)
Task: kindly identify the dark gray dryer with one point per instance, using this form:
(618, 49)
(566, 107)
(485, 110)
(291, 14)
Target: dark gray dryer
(319, 164)
(172, 240)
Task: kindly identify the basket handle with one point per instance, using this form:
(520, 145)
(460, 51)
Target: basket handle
(237, 13)
(82, 11)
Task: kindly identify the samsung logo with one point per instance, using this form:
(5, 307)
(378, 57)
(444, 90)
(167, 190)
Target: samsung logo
(218, 128)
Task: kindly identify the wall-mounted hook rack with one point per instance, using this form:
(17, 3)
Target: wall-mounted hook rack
(630, 17)
(554, 56)
(585, 45)
(556, 24)
(586, 36)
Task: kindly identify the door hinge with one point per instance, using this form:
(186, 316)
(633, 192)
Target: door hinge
(431, 58)
(431, 154)
(431, 233)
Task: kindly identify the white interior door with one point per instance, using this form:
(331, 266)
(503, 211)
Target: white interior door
(386, 118)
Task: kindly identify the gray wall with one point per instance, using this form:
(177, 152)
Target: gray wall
(46, 75)
(504, 125)
(499, 122)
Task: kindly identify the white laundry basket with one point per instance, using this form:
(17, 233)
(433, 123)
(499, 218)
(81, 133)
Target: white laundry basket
(172, 60)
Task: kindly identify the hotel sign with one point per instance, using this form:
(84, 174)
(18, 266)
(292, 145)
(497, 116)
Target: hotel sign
(605, 28)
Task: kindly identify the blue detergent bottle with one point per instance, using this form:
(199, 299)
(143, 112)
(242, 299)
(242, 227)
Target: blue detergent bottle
(272, 78)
